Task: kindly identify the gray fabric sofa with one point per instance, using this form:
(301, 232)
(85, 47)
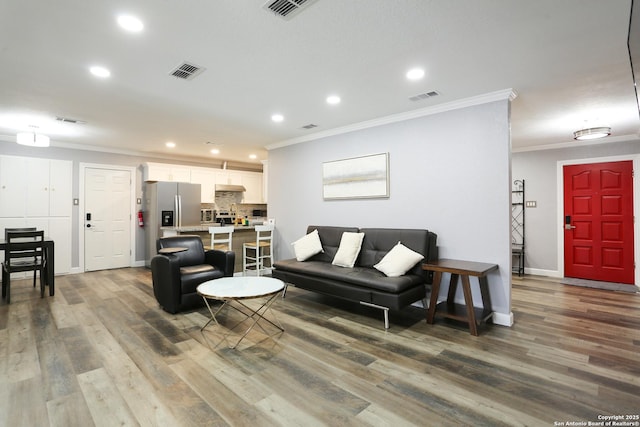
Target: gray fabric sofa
(363, 283)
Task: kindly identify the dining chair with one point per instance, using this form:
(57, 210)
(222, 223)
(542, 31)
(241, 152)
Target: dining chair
(20, 229)
(222, 238)
(255, 253)
(23, 252)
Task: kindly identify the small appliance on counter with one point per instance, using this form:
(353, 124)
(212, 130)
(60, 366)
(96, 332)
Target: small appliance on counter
(207, 216)
(225, 217)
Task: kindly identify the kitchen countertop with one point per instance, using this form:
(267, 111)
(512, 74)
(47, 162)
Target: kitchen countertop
(205, 228)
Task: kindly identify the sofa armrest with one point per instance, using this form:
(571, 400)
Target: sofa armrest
(165, 274)
(224, 260)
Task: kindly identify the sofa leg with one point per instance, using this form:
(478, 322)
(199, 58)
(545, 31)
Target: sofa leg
(385, 309)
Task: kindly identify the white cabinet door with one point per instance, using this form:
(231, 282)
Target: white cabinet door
(37, 187)
(166, 172)
(13, 186)
(222, 177)
(252, 182)
(60, 232)
(60, 188)
(49, 187)
(207, 180)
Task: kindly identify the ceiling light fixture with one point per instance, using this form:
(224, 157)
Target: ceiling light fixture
(215, 151)
(277, 118)
(100, 72)
(170, 144)
(130, 23)
(415, 74)
(592, 133)
(32, 139)
(253, 156)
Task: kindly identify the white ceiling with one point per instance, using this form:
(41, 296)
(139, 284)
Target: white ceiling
(567, 60)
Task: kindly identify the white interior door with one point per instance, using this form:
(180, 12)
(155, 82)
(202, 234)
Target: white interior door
(107, 219)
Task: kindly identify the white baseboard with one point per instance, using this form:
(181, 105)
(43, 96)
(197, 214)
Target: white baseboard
(503, 319)
(541, 272)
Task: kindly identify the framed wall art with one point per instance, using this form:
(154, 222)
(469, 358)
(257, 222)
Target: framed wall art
(357, 177)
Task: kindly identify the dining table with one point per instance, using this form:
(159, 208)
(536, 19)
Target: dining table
(49, 255)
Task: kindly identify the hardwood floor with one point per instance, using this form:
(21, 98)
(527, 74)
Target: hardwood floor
(101, 352)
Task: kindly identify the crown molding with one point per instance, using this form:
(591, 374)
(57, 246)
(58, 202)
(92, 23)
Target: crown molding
(506, 94)
(577, 144)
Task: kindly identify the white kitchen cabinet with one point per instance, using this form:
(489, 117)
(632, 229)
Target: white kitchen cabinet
(166, 172)
(229, 177)
(13, 186)
(265, 180)
(252, 182)
(207, 180)
(37, 193)
(59, 229)
(49, 187)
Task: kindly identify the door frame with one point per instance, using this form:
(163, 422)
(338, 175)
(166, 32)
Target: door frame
(82, 169)
(635, 158)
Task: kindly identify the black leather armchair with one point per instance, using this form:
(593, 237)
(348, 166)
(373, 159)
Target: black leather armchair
(176, 276)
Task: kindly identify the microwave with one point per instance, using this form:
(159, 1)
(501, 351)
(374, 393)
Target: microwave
(207, 215)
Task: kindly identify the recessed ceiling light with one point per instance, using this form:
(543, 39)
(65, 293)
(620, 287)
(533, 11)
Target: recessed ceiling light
(277, 118)
(333, 99)
(99, 71)
(415, 74)
(253, 156)
(170, 144)
(130, 23)
(215, 151)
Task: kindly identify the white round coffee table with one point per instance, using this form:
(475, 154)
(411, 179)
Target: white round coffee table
(238, 288)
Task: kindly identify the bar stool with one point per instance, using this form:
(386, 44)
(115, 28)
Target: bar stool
(222, 238)
(255, 253)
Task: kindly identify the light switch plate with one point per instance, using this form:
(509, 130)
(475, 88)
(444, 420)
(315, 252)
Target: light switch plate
(139, 201)
(76, 202)
(531, 204)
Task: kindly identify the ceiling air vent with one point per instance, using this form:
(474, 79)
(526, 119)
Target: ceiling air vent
(421, 96)
(309, 126)
(287, 9)
(68, 120)
(187, 71)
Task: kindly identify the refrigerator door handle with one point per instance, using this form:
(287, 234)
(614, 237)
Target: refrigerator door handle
(179, 211)
(176, 209)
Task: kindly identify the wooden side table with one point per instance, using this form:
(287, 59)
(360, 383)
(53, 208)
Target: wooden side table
(466, 313)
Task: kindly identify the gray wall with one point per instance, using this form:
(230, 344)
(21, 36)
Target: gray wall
(449, 173)
(10, 148)
(539, 170)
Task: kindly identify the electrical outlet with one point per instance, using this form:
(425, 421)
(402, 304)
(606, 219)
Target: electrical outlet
(531, 204)
(76, 202)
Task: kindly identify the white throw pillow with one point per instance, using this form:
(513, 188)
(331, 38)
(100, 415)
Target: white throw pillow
(398, 261)
(348, 250)
(307, 246)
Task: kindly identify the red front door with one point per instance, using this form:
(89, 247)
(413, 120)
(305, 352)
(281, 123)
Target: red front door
(598, 223)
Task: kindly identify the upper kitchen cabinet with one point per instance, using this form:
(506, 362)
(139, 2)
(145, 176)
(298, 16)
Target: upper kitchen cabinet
(35, 187)
(13, 186)
(166, 172)
(207, 180)
(252, 182)
(228, 177)
(49, 187)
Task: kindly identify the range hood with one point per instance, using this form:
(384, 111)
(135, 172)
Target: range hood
(230, 187)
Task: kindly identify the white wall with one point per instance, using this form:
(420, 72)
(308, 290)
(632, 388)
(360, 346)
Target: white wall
(449, 173)
(543, 223)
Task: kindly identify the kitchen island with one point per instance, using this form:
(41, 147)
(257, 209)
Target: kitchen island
(241, 234)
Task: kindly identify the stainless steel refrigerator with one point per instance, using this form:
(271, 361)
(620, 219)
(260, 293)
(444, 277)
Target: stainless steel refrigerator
(169, 204)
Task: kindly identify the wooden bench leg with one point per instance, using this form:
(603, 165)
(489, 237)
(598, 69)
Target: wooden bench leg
(468, 300)
(435, 289)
